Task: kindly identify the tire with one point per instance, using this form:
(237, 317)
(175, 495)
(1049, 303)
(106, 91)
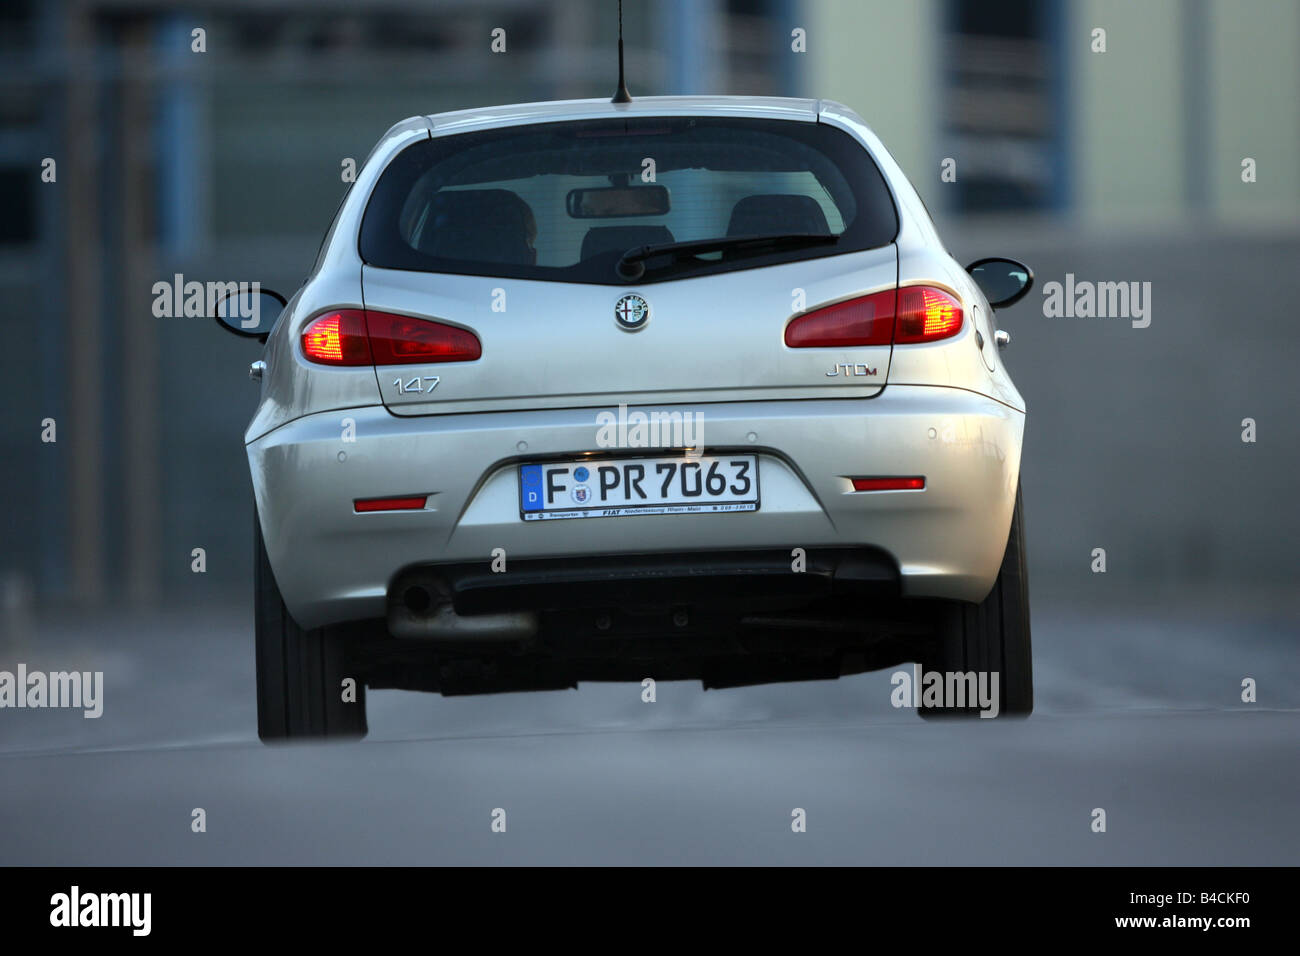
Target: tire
(992, 636)
(300, 673)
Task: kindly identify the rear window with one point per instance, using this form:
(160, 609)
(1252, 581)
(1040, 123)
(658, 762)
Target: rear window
(559, 201)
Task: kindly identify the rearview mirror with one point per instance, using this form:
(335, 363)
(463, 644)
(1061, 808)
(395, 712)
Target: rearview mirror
(613, 201)
(249, 311)
(1003, 281)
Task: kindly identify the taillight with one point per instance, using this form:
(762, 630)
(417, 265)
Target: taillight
(909, 316)
(357, 337)
(338, 338)
(865, 321)
(402, 340)
(925, 314)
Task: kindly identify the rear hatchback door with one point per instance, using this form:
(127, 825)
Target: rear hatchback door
(708, 339)
(516, 234)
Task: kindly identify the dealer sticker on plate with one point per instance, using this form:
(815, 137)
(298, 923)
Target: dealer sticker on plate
(611, 488)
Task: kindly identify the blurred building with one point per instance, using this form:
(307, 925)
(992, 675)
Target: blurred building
(1150, 133)
(223, 164)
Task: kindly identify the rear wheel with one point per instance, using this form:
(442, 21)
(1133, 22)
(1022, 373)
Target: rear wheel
(991, 637)
(301, 674)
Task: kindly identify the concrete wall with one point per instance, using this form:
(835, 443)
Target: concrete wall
(1126, 110)
(1255, 109)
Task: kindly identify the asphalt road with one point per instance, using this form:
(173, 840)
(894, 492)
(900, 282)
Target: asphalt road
(1139, 713)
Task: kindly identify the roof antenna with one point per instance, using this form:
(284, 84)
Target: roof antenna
(621, 95)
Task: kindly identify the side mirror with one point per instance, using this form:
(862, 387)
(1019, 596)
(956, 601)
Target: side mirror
(250, 312)
(1003, 281)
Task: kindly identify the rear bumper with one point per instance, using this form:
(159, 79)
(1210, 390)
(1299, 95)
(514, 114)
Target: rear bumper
(332, 564)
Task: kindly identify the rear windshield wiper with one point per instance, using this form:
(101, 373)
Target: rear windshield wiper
(632, 264)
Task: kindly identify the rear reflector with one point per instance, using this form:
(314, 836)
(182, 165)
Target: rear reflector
(888, 484)
(908, 316)
(411, 503)
(363, 337)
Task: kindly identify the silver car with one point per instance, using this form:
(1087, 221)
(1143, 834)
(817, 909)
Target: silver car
(681, 388)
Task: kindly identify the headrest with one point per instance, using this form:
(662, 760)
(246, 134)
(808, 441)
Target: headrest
(775, 214)
(488, 225)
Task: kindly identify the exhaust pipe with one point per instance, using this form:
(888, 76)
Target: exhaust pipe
(421, 612)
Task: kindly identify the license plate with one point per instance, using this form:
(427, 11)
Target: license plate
(612, 488)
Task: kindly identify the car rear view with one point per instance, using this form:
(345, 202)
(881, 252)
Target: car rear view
(682, 388)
